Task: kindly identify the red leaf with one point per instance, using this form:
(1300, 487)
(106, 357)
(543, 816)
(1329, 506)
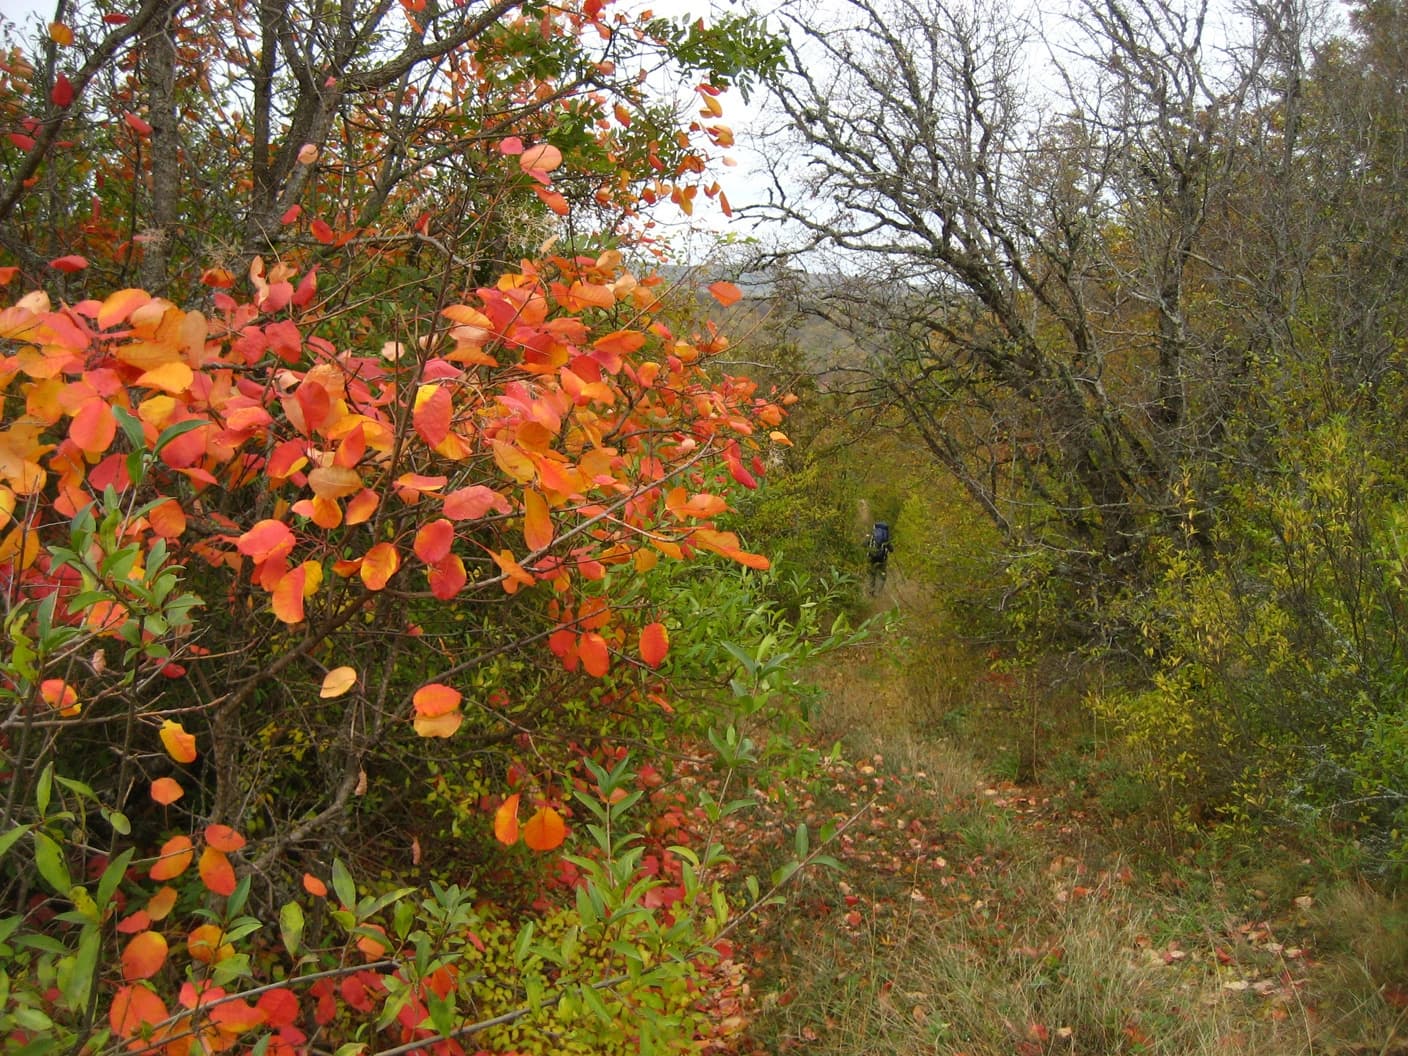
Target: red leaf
(69, 264)
(447, 577)
(61, 95)
(136, 124)
(322, 232)
(269, 538)
(470, 504)
(432, 414)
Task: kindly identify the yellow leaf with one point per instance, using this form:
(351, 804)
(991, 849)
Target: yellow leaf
(337, 682)
(379, 565)
(334, 482)
(179, 744)
(514, 462)
(438, 725)
(120, 305)
(60, 34)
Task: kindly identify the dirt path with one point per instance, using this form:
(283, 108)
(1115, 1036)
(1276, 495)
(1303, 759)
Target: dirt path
(969, 917)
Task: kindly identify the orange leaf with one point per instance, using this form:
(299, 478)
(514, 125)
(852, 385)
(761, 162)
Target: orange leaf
(93, 427)
(544, 157)
(175, 857)
(469, 504)
(207, 944)
(515, 575)
(726, 293)
(59, 695)
(654, 644)
(591, 647)
(337, 682)
(314, 886)
(167, 790)
(287, 600)
(143, 956)
(537, 522)
(216, 872)
(436, 699)
(506, 821)
(269, 538)
(433, 540)
(60, 34)
(361, 508)
(223, 838)
(160, 905)
(174, 377)
(134, 1008)
(322, 232)
(167, 519)
(179, 744)
(379, 565)
(544, 830)
(553, 200)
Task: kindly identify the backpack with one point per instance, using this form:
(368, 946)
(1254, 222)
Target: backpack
(880, 541)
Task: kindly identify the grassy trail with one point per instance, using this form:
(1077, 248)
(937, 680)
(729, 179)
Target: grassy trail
(976, 916)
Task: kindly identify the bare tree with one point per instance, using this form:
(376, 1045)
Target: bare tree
(1032, 254)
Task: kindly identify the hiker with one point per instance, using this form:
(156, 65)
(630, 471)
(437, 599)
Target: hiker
(878, 548)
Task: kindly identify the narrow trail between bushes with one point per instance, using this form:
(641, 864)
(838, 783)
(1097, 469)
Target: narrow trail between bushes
(975, 916)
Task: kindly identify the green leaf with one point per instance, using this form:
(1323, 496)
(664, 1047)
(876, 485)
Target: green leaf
(32, 1019)
(44, 790)
(10, 839)
(85, 967)
(131, 427)
(291, 927)
(112, 876)
(49, 859)
(343, 885)
(171, 432)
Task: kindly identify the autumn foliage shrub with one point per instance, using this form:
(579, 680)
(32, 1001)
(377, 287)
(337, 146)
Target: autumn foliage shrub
(256, 582)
